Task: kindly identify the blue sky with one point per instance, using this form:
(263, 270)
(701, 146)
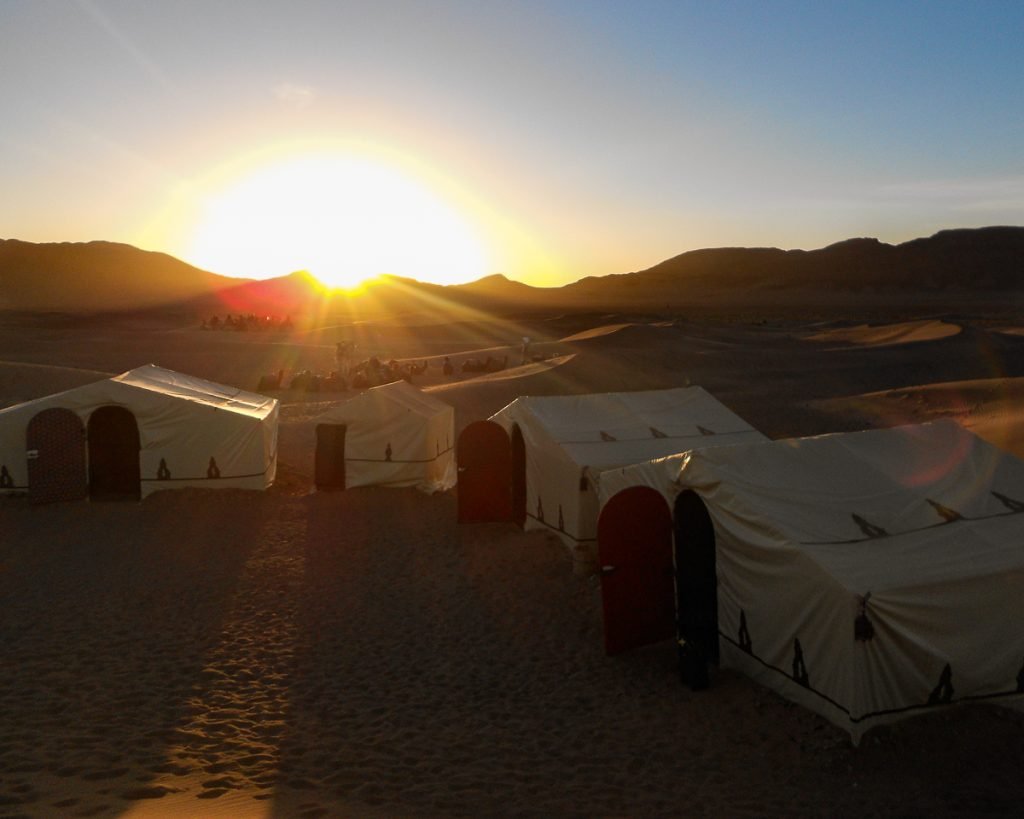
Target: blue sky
(568, 138)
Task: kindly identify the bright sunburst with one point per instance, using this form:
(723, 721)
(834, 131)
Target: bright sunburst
(345, 218)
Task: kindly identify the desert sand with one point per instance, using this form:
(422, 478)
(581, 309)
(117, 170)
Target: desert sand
(294, 653)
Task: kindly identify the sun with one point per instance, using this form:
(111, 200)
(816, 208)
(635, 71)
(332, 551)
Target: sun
(343, 217)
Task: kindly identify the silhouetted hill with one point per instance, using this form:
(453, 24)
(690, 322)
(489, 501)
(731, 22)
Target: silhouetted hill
(990, 259)
(104, 276)
(92, 276)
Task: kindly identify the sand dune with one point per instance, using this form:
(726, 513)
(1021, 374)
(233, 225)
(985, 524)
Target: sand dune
(294, 653)
(881, 335)
(993, 408)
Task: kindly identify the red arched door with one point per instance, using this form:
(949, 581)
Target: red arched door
(484, 455)
(55, 444)
(114, 455)
(634, 545)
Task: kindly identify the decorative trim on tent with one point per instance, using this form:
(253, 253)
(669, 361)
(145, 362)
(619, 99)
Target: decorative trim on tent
(397, 461)
(6, 482)
(657, 433)
(957, 517)
(920, 706)
(607, 437)
(561, 532)
(684, 437)
(868, 528)
(863, 629)
(705, 430)
(948, 515)
(799, 666)
(213, 471)
(162, 472)
(744, 641)
(942, 694)
(1009, 503)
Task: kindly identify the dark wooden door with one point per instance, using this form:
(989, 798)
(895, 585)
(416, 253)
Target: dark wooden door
(518, 477)
(634, 542)
(484, 456)
(696, 589)
(55, 448)
(330, 456)
(114, 455)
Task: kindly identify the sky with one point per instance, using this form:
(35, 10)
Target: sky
(547, 141)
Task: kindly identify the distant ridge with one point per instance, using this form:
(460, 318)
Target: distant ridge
(990, 258)
(94, 276)
(105, 276)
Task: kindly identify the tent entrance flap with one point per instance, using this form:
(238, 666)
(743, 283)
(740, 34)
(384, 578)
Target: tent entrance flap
(634, 536)
(55, 448)
(330, 456)
(696, 589)
(114, 455)
(484, 458)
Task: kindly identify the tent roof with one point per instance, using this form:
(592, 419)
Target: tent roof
(160, 381)
(609, 429)
(398, 395)
(189, 388)
(881, 508)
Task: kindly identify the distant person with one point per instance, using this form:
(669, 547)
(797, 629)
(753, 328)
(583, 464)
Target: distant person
(447, 367)
(526, 349)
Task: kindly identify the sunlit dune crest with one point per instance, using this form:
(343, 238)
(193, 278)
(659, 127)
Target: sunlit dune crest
(880, 335)
(344, 218)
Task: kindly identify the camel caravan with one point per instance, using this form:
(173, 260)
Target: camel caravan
(865, 576)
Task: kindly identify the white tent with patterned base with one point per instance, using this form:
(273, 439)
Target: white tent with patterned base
(391, 435)
(868, 575)
(139, 432)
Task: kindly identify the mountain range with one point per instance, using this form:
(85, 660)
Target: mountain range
(106, 276)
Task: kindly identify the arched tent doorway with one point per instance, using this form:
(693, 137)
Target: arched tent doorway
(114, 455)
(329, 468)
(696, 589)
(634, 544)
(484, 456)
(55, 447)
(518, 477)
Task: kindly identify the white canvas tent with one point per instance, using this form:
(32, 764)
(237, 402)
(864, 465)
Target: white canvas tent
(568, 440)
(391, 435)
(141, 431)
(867, 576)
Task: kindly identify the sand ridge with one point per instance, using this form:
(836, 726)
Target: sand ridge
(885, 334)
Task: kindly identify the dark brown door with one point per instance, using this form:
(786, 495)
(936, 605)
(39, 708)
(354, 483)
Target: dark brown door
(114, 455)
(55, 446)
(484, 456)
(518, 477)
(330, 456)
(696, 589)
(634, 544)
